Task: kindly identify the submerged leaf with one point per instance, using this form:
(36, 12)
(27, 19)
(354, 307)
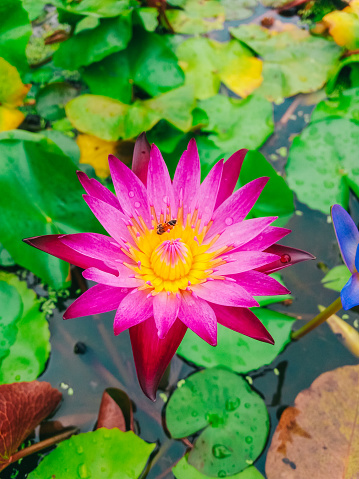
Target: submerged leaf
(183, 470)
(319, 436)
(236, 351)
(232, 418)
(322, 163)
(293, 60)
(123, 456)
(207, 63)
(24, 332)
(22, 407)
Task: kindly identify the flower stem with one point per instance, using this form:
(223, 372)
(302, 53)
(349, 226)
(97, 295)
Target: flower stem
(319, 319)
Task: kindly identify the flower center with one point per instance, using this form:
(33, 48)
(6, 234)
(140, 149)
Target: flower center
(171, 260)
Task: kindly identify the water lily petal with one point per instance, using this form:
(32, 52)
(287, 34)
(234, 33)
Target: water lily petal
(237, 206)
(111, 219)
(226, 293)
(96, 300)
(165, 311)
(242, 232)
(288, 257)
(347, 235)
(187, 177)
(350, 293)
(141, 158)
(159, 184)
(243, 321)
(206, 195)
(357, 259)
(199, 317)
(121, 281)
(259, 284)
(96, 246)
(266, 238)
(97, 190)
(245, 261)
(134, 308)
(52, 244)
(152, 355)
(230, 175)
(130, 190)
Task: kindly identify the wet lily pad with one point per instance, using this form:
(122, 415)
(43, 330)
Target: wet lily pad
(50, 201)
(229, 117)
(104, 453)
(233, 419)
(24, 332)
(147, 62)
(323, 164)
(293, 60)
(236, 351)
(183, 470)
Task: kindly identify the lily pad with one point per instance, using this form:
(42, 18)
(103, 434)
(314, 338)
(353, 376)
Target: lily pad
(233, 420)
(94, 8)
(89, 46)
(104, 453)
(345, 75)
(15, 33)
(293, 60)
(110, 119)
(277, 197)
(343, 26)
(322, 163)
(147, 63)
(319, 436)
(207, 63)
(12, 90)
(51, 100)
(336, 278)
(228, 118)
(236, 351)
(23, 407)
(50, 201)
(24, 332)
(239, 9)
(183, 470)
(196, 16)
(344, 105)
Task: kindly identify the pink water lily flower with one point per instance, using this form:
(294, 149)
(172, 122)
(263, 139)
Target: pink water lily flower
(164, 276)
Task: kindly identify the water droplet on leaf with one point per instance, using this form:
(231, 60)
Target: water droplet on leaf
(220, 451)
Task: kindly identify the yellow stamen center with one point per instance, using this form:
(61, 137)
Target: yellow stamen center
(171, 260)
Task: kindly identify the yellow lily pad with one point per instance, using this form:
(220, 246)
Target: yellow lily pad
(10, 118)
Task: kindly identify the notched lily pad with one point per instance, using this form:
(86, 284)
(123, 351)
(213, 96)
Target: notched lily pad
(236, 351)
(234, 420)
(104, 453)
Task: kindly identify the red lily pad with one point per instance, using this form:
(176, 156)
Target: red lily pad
(22, 407)
(115, 410)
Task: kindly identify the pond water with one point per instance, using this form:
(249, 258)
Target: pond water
(108, 362)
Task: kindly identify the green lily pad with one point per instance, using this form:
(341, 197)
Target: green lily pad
(323, 164)
(5, 257)
(95, 8)
(233, 420)
(51, 100)
(68, 145)
(239, 10)
(15, 33)
(104, 453)
(183, 470)
(147, 63)
(276, 198)
(148, 17)
(207, 63)
(236, 351)
(228, 118)
(89, 46)
(344, 105)
(346, 75)
(110, 119)
(40, 195)
(24, 332)
(293, 61)
(196, 16)
(336, 278)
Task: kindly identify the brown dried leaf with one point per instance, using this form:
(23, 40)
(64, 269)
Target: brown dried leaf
(319, 436)
(22, 407)
(115, 410)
